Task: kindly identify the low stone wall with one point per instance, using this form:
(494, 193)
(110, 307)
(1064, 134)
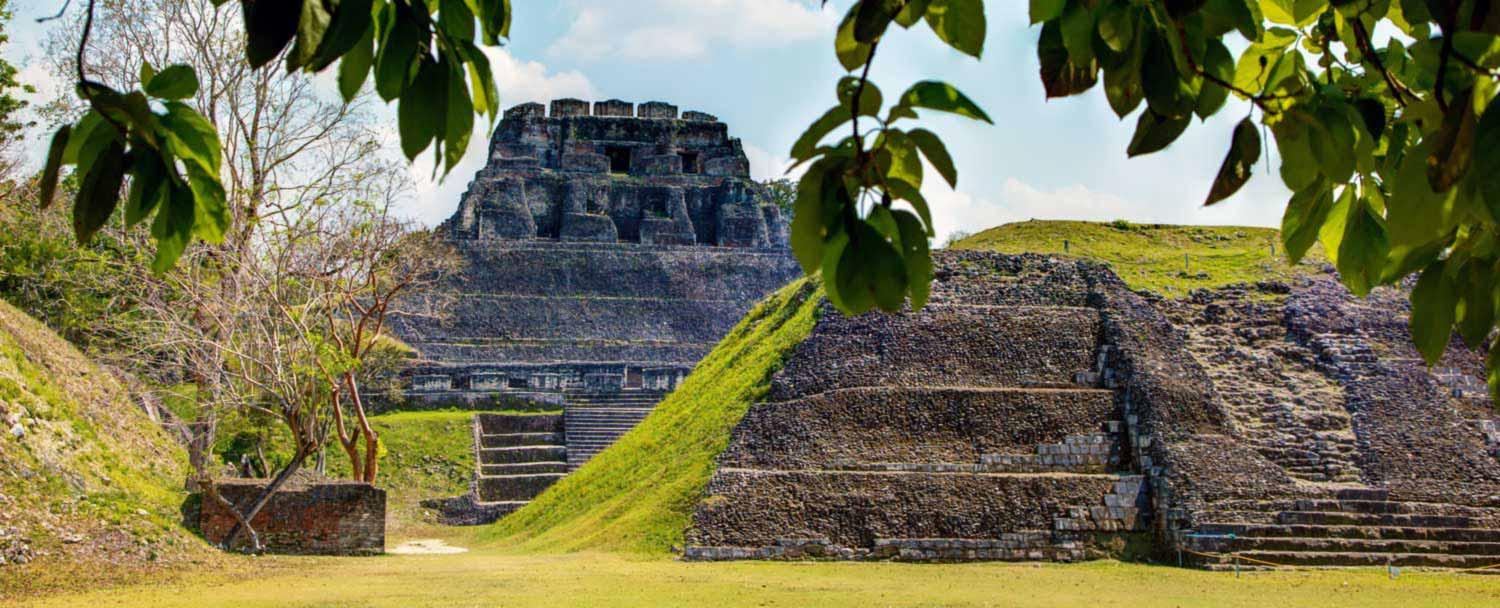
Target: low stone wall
(751, 508)
(329, 518)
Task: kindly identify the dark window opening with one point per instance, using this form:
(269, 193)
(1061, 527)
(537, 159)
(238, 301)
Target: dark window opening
(519, 383)
(633, 378)
(689, 162)
(459, 383)
(619, 159)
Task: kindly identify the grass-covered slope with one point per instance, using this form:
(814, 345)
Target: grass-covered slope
(1150, 256)
(90, 487)
(639, 494)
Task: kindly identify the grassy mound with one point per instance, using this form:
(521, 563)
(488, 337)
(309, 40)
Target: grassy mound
(1150, 256)
(90, 487)
(639, 494)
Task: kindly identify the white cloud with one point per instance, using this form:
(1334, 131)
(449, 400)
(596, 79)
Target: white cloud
(686, 29)
(519, 82)
(766, 165)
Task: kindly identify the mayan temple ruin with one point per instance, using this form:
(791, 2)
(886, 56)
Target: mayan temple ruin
(608, 247)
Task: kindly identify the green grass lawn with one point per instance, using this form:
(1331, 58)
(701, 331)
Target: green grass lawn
(1150, 256)
(599, 579)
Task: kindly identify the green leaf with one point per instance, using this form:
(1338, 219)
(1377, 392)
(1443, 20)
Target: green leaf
(872, 17)
(1476, 302)
(936, 153)
(48, 185)
(269, 26)
(1486, 167)
(460, 119)
(350, 25)
(420, 115)
(914, 11)
(310, 30)
(1060, 76)
(1298, 168)
(1331, 140)
(1417, 214)
(148, 185)
(1166, 91)
(355, 67)
(1372, 112)
(1077, 28)
(943, 97)
(1454, 148)
(175, 82)
(1216, 61)
(870, 99)
(918, 259)
(147, 72)
(1244, 152)
(1043, 11)
(494, 20)
(820, 198)
(1298, 13)
(1122, 81)
(960, 23)
(1304, 218)
(905, 164)
(1433, 301)
(825, 124)
(852, 53)
(210, 211)
(1355, 239)
(456, 19)
(99, 192)
(398, 49)
(1154, 132)
(173, 227)
(870, 272)
(191, 137)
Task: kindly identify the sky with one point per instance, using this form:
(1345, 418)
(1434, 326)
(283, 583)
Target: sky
(767, 69)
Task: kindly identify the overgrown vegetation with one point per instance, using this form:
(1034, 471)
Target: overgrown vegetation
(423, 455)
(1166, 259)
(90, 487)
(639, 494)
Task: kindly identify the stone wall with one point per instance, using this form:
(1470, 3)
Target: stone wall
(304, 518)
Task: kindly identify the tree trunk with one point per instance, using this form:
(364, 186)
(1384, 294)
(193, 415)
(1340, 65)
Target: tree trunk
(244, 517)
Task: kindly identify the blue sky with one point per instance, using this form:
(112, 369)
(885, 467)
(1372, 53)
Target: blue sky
(766, 67)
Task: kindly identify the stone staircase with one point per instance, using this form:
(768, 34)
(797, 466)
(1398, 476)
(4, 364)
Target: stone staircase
(1347, 527)
(594, 420)
(518, 457)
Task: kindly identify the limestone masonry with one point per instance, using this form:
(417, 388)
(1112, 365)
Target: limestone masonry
(608, 248)
(1038, 409)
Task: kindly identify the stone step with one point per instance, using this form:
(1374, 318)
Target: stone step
(494, 424)
(524, 468)
(510, 440)
(1352, 532)
(522, 454)
(1372, 519)
(1343, 545)
(515, 487)
(1345, 559)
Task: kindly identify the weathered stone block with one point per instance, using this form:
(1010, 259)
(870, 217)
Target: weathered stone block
(656, 109)
(614, 107)
(569, 107)
(588, 227)
(699, 116)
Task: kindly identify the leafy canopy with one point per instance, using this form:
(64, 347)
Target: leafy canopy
(1380, 111)
(424, 53)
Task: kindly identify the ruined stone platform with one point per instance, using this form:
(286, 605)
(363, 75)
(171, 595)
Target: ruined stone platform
(1038, 409)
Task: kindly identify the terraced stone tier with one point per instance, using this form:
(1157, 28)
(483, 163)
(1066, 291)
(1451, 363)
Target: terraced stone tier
(846, 428)
(1348, 528)
(944, 345)
(752, 508)
(515, 487)
(580, 319)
